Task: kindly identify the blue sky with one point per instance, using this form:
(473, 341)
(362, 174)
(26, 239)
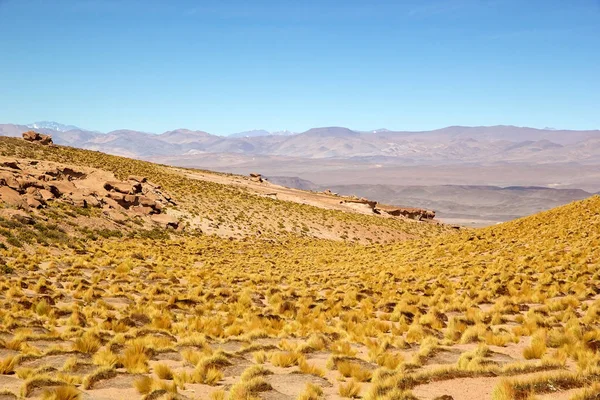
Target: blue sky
(229, 66)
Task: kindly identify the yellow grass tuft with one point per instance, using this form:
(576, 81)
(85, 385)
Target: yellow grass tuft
(62, 393)
(311, 392)
(350, 389)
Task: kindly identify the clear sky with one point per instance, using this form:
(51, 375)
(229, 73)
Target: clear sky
(229, 66)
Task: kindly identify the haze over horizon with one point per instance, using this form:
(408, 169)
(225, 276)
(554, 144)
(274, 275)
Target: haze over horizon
(230, 67)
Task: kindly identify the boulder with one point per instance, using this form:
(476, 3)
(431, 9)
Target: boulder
(62, 188)
(33, 202)
(123, 187)
(8, 179)
(17, 215)
(112, 204)
(130, 200)
(45, 139)
(166, 221)
(138, 179)
(146, 201)
(143, 210)
(418, 214)
(92, 201)
(79, 200)
(11, 165)
(45, 194)
(31, 136)
(11, 197)
(116, 216)
(35, 137)
(256, 177)
(367, 202)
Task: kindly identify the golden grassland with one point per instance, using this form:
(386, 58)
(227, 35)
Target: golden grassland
(166, 315)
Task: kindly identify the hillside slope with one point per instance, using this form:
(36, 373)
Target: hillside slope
(509, 311)
(228, 205)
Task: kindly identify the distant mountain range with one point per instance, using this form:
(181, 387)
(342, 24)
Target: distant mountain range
(52, 125)
(456, 144)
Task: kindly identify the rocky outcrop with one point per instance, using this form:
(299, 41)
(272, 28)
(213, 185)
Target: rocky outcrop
(30, 185)
(256, 177)
(418, 214)
(32, 136)
(355, 200)
(166, 221)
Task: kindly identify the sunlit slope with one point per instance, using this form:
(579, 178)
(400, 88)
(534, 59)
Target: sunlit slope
(546, 254)
(228, 210)
(510, 310)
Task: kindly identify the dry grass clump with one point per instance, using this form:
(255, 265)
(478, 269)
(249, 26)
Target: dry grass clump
(163, 371)
(351, 389)
(62, 393)
(311, 369)
(543, 383)
(249, 389)
(353, 370)
(9, 364)
(285, 359)
(39, 381)
(135, 359)
(588, 393)
(98, 375)
(255, 371)
(311, 392)
(146, 385)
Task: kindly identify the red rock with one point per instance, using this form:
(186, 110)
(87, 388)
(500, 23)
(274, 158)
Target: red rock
(142, 210)
(136, 178)
(11, 165)
(31, 136)
(123, 187)
(32, 202)
(92, 201)
(116, 216)
(45, 194)
(166, 221)
(63, 187)
(111, 203)
(8, 179)
(17, 215)
(45, 139)
(11, 197)
(146, 201)
(79, 200)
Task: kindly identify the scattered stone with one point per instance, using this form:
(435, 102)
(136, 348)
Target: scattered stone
(256, 177)
(368, 202)
(123, 187)
(165, 220)
(116, 216)
(11, 164)
(17, 215)
(418, 214)
(33, 202)
(11, 197)
(138, 179)
(35, 137)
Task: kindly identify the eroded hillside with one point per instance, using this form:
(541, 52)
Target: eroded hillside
(228, 205)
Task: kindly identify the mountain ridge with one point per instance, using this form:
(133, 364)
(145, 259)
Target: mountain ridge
(454, 143)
